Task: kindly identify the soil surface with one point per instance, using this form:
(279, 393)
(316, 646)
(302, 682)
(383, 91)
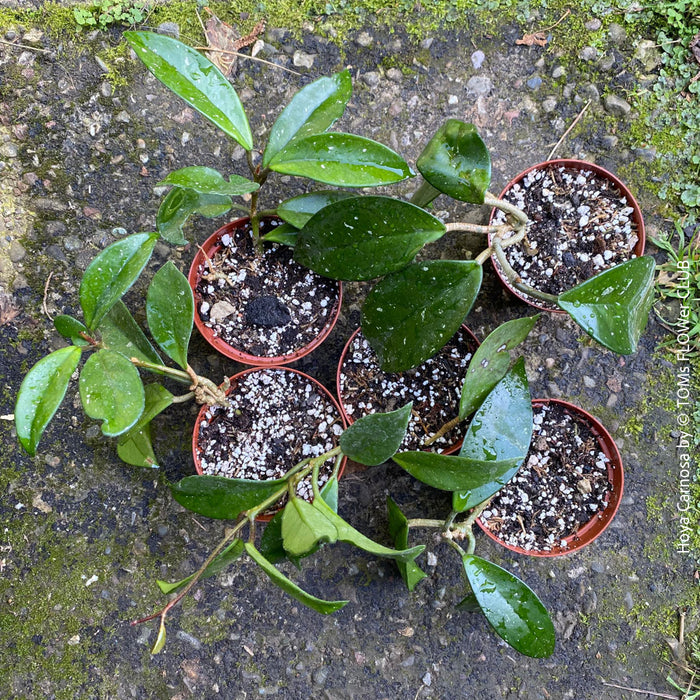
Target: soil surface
(84, 537)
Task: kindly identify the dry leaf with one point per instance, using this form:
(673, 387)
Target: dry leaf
(695, 47)
(228, 41)
(8, 309)
(538, 38)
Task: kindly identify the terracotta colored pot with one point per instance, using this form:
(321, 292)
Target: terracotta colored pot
(208, 249)
(571, 164)
(601, 519)
(234, 385)
(350, 419)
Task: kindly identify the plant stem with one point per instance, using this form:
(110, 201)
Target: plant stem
(466, 528)
(423, 522)
(518, 215)
(444, 429)
(425, 194)
(183, 397)
(169, 371)
(476, 228)
(505, 243)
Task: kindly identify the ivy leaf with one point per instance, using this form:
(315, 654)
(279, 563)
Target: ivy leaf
(179, 204)
(111, 391)
(196, 80)
(120, 332)
(409, 315)
(170, 312)
(41, 393)
(311, 111)
(209, 181)
(411, 573)
(513, 610)
(613, 307)
(457, 162)
(342, 160)
(71, 329)
(365, 237)
(111, 274)
(298, 210)
(373, 439)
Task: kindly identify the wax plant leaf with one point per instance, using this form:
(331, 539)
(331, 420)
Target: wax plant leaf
(490, 362)
(500, 430)
(513, 610)
(365, 237)
(160, 639)
(613, 307)
(304, 528)
(41, 393)
(221, 497)
(311, 111)
(223, 560)
(71, 329)
(342, 160)
(457, 162)
(179, 204)
(468, 604)
(111, 390)
(286, 234)
(111, 274)
(298, 210)
(209, 181)
(120, 332)
(409, 315)
(196, 80)
(410, 572)
(374, 438)
(170, 312)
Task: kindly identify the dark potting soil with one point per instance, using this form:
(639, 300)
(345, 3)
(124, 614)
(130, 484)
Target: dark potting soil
(274, 419)
(265, 305)
(580, 224)
(434, 387)
(560, 487)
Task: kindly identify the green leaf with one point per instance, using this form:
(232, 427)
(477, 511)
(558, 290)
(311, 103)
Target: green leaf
(196, 80)
(209, 181)
(71, 328)
(304, 528)
(500, 430)
(221, 497)
(326, 607)
(491, 361)
(223, 560)
(311, 111)
(343, 160)
(513, 610)
(120, 332)
(468, 604)
(373, 439)
(410, 315)
(41, 393)
(111, 391)
(111, 273)
(170, 312)
(160, 639)
(298, 210)
(179, 204)
(364, 237)
(329, 493)
(457, 162)
(286, 234)
(411, 573)
(613, 307)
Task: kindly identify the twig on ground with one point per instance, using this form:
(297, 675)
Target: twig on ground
(44, 308)
(23, 46)
(245, 55)
(566, 133)
(639, 690)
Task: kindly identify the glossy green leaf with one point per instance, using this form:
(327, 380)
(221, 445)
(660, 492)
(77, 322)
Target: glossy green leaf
(374, 438)
(329, 493)
(311, 111)
(111, 273)
(513, 610)
(411, 573)
(468, 604)
(326, 607)
(41, 393)
(209, 181)
(491, 361)
(410, 315)
(160, 639)
(71, 328)
(120, 332)
(298, 210)
(342, 160)
(457, 162)
(223, 560)
(286, 234)
(179, 204)
(613, 307)
(365, 237)
(196, 80)
(170, 312)
(500, 430)
(221, 497)
(304, 528)
(111, 390)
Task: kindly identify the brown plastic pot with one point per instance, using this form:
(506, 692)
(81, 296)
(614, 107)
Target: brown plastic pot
(571, 164)
(234, 385)
(349, 418)
(208, 249)
(600, 521)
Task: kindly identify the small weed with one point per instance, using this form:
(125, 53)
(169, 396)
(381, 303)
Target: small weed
(106, 13)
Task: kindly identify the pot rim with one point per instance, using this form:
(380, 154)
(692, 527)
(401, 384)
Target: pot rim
(211, 246)
(233, 380)
(350, 420)
(574, 164)
(600, 520)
